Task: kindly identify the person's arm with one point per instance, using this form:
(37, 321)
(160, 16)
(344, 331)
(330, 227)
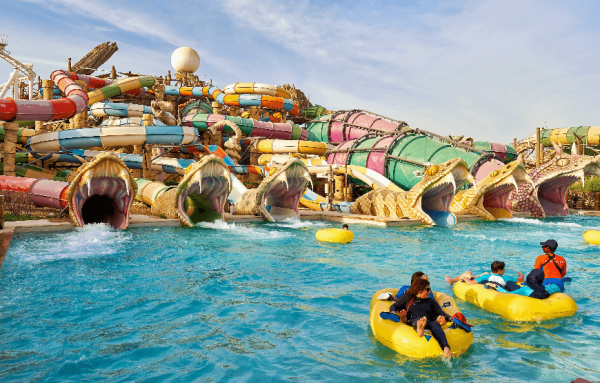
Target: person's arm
(400, 305)
(564, 270)
(479, 279)
(538, 262)
(438, 310)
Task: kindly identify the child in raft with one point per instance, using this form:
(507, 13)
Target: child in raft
(497, 277)
(416, 309)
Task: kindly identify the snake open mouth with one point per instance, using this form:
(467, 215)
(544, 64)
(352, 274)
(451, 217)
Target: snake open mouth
(495, 200)
(282, 196)
(435, 200)
(102, 192)
(552, 192)
(278, 195)
(202, 192)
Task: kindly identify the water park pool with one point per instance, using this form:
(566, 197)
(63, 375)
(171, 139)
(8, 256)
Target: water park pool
(267, 302)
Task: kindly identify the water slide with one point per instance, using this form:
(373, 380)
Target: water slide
(590, 135)
(76, 101)
(348, 125)
(402, 157)
(43, 192)
(249, 127)
(248, 99)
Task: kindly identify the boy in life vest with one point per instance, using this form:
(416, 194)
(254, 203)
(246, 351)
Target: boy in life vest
(554, 266)
(496, 277)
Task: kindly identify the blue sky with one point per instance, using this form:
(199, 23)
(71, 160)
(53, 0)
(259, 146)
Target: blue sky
(492, 70)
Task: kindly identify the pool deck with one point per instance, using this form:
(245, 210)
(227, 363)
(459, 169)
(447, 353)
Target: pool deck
(138, 220)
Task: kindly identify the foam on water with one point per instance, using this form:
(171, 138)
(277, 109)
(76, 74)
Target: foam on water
(242, 230)
(530, 221)
(90, 240)
(297, 223)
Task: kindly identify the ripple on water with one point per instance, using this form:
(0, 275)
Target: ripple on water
(266, 301)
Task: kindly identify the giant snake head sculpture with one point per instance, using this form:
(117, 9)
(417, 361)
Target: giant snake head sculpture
(202, 192)
(278, 195)
(429, 200)
(489, 197)
(102, 192)
(546, 195)
(199, 197)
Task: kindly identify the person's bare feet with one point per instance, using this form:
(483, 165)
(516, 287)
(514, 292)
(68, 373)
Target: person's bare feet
(447, 353)
(421, 326)
(449, 280)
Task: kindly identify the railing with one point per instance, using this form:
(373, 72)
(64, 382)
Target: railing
(3, 41)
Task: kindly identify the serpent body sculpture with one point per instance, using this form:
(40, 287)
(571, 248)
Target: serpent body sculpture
(102, 192)
(489, 197)
(546, 195)
(429, 200)
(278, 194)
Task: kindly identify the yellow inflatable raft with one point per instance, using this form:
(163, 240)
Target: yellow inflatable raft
(335, 235)
(403, 338)
(516, 307)
(592, 236)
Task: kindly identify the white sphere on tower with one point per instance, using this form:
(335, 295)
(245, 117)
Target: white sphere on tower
(185, 59)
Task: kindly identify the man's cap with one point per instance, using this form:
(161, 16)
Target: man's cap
(550, 243)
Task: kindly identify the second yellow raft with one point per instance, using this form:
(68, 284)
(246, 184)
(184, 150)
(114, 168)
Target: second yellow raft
(403, 338)
(516, 307)
(592, 236)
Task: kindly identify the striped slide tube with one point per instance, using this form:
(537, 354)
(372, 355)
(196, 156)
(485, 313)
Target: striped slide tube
(148, 191)
(291, 146)
(256, 88)
(120, 86)
(249, 127)
(590, 135)
(97, 83)
(128, 121)
(115, 109)
(112, 136)
(23, 135)
(219, 152)
(44, 192)
(244, 100)
(31, 171)
(76, 101)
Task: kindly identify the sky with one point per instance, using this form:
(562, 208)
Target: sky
(490, 70)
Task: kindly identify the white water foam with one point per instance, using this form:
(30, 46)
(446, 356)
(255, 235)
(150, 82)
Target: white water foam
(540, 223)
(297, 223)
(242, 230)
(90, 240)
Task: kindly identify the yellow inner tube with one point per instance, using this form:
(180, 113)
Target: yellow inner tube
(403, 338)
(516, 307)
(592, 236)
(335, 235)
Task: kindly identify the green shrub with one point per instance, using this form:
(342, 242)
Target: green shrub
(171, 183)
(21, 217)
(592, 184)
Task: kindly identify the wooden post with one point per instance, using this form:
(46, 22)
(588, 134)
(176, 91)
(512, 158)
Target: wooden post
(113, 73)
(216, 107)
(515, 144)
(148, 120)
(69, 67)
(48, 86)
(80, 119)
(538, 155)
(1, 212)
(597, 204)
(159, 92)
(338, 195)
(10, 144)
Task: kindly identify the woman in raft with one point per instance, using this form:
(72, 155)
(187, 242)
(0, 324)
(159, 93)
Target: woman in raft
(418, 310)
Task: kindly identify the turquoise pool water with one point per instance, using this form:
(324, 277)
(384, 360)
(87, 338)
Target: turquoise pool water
(267, 302)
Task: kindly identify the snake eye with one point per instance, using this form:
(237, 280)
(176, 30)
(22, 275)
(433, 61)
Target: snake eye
(432, 170)
(494, 173)
(563, 162)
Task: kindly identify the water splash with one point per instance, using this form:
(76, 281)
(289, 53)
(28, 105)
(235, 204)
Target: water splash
(540, 223)
(90, 240)
(242, 230)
